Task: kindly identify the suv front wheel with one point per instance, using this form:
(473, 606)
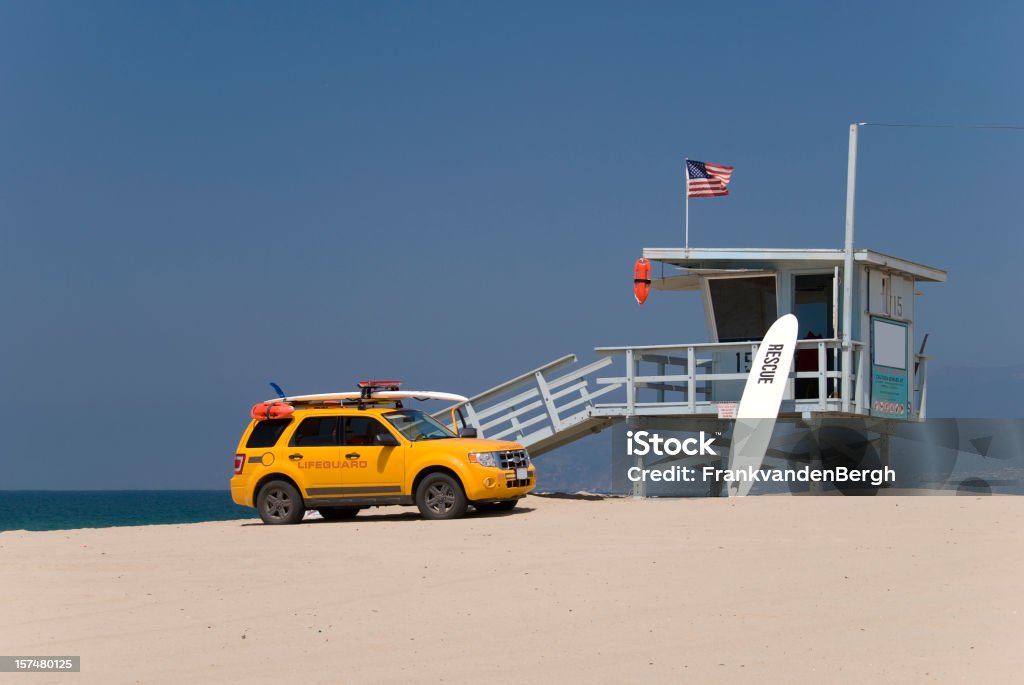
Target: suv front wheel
(280, 503)
(439, 496)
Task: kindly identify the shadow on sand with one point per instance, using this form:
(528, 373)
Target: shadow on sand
(409, 515)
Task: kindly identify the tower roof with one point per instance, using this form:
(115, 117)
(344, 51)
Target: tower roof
(716, 259)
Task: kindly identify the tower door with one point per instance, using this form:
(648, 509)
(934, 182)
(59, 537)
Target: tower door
(814, 303)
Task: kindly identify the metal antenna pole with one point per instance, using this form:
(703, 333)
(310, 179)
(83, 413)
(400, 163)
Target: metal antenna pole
(851, 191)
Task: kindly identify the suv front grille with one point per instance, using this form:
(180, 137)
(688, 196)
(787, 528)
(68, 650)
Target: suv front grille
(512, 459)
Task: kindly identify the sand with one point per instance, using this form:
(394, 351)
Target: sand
(765, 589)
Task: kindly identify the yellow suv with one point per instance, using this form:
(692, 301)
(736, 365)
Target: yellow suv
(345, 454)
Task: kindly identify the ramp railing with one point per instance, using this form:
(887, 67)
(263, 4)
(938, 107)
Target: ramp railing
(540, 408)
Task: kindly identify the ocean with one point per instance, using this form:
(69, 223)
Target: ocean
(60, 510)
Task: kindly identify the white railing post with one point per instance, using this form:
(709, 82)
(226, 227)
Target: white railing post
(516, 426)
(691, 379)
(585, 393)
(630, 385)
(661, 387)
(863, 387)
(822, 382)
(473, 420)
(549, 403)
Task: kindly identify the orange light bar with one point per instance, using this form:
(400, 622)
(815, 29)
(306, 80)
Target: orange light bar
(380, 384)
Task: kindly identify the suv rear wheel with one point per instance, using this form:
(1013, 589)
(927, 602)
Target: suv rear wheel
(280, 503)
(439, 496)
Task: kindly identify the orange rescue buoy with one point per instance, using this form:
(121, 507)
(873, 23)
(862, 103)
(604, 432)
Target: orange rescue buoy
(276, 410)
(641, 280)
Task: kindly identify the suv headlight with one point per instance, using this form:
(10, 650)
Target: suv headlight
(489, 459)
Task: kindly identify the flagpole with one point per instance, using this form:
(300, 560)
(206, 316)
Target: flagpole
(847, 346)
(686, 237)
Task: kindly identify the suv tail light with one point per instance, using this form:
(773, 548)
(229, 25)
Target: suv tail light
(239, 463)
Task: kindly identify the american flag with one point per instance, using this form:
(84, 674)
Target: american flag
(704, 179)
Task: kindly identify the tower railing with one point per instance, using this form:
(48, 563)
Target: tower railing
(681, 379)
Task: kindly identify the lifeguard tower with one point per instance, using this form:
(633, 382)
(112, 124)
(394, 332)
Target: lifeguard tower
(859, 356)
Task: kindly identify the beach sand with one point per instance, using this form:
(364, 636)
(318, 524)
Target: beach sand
(763, 589)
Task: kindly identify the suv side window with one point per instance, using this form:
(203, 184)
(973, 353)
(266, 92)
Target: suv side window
(361, 430)
(316, 431)
(266, 433)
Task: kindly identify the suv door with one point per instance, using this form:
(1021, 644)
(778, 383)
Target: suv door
(374, 469)
(315, 456)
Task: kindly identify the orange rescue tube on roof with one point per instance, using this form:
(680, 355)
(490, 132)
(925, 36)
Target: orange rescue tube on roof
(275, 410)
(641, 280)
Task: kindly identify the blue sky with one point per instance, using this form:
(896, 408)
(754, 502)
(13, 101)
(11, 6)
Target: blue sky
(196, 198)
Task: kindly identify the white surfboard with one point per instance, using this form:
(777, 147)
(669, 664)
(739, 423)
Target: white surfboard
(420, 395)
(761, 399)
(379, 395)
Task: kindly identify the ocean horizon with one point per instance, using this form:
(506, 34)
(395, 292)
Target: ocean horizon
(69, 509)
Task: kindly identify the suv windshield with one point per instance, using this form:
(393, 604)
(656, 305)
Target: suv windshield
(415, 425)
